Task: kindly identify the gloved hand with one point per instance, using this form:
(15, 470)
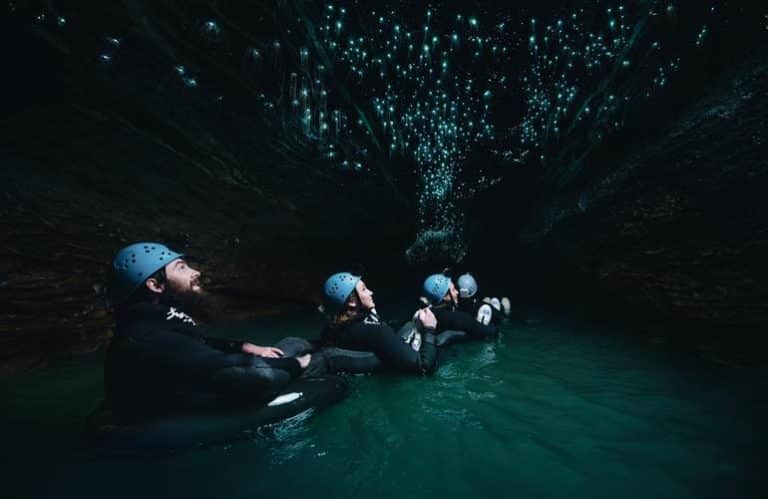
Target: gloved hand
(304, 360)
(427, 318)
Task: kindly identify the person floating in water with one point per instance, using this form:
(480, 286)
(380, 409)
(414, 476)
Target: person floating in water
(354, 324)
(486, 311)
(159, 362)
(443, 296)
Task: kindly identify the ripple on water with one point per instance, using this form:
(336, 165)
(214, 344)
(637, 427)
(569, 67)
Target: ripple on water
(548, 412)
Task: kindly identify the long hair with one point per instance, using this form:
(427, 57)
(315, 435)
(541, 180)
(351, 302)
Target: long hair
(350, 312)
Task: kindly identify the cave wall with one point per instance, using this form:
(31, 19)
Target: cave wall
(675, 230)
(80, 182)
(670, 226)
(90, 162)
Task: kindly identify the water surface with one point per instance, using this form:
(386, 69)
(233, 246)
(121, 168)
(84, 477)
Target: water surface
(546, 411)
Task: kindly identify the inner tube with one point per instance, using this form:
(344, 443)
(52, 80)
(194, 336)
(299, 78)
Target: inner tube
(330, 359)
(293, 346)
(410, 333)
(449, 337)
(341, 360)
(210, 427)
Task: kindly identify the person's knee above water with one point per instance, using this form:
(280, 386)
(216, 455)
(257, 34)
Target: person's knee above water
(443, 297)
(485, 311)
(354, 324)
(159, 361)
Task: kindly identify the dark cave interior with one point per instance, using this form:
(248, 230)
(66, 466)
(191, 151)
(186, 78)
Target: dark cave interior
(175, 121)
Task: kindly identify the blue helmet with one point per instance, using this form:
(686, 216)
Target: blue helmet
(337, 289)
(435, 287)
(134, 264)
(467, 285)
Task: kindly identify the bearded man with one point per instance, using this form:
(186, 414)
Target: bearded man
(160, 363)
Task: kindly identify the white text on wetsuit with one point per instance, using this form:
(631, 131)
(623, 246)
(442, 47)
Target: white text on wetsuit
(178, 314)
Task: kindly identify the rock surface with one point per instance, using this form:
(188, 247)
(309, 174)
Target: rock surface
(676, 231)
(671, 228)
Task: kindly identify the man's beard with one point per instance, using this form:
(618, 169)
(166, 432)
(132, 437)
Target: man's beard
(199, 304)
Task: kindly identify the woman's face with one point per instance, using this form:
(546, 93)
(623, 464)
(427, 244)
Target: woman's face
(365, 295)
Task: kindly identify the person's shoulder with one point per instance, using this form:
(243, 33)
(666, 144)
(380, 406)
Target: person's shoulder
(140, 311)
(326, 334)
(153, 322)
(442, 308)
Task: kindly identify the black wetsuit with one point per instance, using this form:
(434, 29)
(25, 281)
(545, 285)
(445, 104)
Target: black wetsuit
(159, 362)
(448, 318)
(369, 334)
(472, 305)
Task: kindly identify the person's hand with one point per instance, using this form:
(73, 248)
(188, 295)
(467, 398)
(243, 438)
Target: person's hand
(427, 318)
(304, 360)
(269, 352)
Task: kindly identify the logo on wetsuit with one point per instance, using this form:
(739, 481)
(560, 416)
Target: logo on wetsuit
(372, 318)
(178, 314)
(414, 339)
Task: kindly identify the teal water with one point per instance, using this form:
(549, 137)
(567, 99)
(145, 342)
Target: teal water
(546, 411)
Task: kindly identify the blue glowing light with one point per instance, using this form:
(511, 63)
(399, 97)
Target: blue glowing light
(424, 89)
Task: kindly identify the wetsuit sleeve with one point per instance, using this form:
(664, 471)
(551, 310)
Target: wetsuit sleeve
(258, 381)
(289, 365)
(462, 321)
(181, 351)
(292, 346)
(231, 346)
(428, 351)
(390, 348)
(228, 374)
(349, 361)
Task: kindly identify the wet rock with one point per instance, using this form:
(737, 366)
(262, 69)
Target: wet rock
(676, 230)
